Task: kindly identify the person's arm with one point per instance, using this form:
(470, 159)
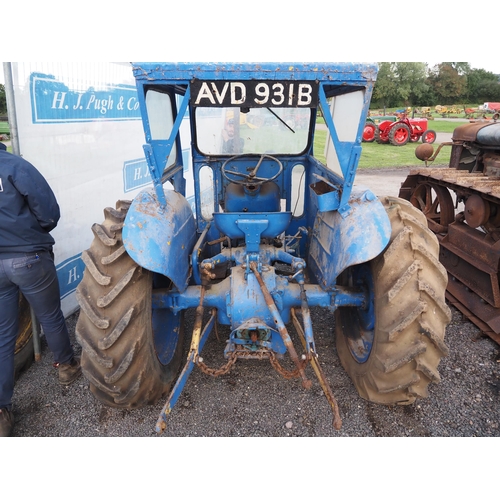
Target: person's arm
(38, 195)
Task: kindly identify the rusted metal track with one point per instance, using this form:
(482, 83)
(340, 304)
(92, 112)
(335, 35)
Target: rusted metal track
(455, 296)
(453, 179)
(470, 255)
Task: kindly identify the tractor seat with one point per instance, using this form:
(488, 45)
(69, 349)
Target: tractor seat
(252, 226)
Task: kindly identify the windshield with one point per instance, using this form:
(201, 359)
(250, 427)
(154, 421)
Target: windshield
(229, 131)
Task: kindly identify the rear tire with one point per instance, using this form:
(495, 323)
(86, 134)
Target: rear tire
(399, 134)
(378, 139)
(131, 354)
(393, 359)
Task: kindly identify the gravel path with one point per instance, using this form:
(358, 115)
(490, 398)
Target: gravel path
(253, 400)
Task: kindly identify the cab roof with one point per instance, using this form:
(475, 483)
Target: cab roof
(336, 74)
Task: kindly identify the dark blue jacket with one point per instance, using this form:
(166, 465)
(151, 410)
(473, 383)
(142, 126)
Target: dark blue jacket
(28, 208)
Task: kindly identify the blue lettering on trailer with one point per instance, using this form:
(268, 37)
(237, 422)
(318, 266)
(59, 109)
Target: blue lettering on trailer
(69, 274)
(135, 174)
(52, 101)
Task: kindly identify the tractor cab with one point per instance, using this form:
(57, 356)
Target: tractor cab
(247, 136)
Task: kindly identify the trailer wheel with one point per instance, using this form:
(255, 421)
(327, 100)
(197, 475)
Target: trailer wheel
(399, 134)
(24, 353)
(392, 348)
(131, 354)
(429, 137)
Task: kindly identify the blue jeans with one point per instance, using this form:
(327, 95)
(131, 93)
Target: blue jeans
(35, 276)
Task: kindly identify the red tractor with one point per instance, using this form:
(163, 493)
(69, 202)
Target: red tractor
(404, 130)
(371, 126)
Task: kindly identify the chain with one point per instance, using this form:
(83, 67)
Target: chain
(242, 353)
(216, 372)
(282, 371)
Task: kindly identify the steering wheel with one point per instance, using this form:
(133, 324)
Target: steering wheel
(251, 178)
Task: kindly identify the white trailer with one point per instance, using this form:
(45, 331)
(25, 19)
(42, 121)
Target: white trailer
(80, 125)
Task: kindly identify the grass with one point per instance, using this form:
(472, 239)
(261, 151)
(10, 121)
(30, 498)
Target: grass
(443, 125)
(387, 156)
(376, 155)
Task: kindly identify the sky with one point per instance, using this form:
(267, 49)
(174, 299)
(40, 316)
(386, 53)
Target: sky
(224, 30)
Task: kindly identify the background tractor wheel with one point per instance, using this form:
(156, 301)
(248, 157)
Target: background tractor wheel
(399, 135)
(369, 132)
(378, 140)
(24, 353)
(391, 349)
(131, 353)
(429, 137)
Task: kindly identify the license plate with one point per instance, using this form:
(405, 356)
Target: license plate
(255, 94)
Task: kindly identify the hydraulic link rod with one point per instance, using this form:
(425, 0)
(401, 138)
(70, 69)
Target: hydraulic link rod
(306, 383)
(337, 421)
(198, 323)
(198, 340)
(306, 316)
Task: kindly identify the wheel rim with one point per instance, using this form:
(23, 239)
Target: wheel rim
(166, 327)
(401, 135)
(359, 324)
(369, 133)
(436, 204)
(166, 330)
(429, 137)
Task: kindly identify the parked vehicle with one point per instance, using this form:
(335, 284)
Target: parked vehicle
(491, 107)
(370, 130)
(462, 207)
(273, 233)
(484, 111)
(404, 130)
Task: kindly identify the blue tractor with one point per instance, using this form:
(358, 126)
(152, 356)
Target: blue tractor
(272, 231)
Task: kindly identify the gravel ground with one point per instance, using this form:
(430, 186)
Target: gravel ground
(254, 400)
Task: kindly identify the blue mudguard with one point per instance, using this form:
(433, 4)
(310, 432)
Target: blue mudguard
(161, 240)
(340, 241)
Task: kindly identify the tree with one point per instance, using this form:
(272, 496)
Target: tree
(482, 86)
(462, 68)
(488, 90)
(384, 91)
(3, 100)
(448, 85)
(410, 81)
(400, 83)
